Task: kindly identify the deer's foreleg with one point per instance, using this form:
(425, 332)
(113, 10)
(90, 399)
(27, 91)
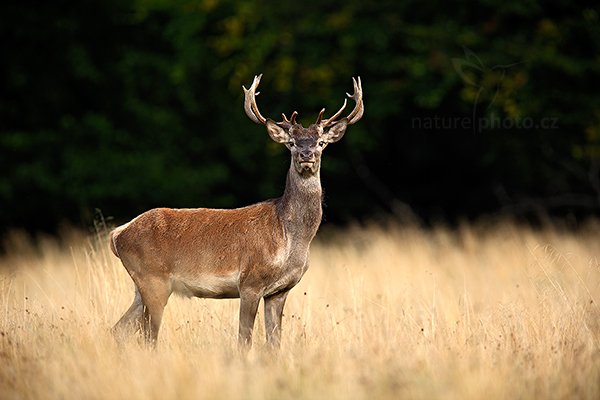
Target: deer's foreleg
(248, 306)
(273, 314)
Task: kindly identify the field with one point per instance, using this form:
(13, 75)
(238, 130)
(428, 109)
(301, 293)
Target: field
(479, 311)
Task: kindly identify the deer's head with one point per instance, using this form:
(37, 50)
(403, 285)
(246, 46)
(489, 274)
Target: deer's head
(305, 144)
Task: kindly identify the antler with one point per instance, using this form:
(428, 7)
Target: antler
(250, 102)
(355, 115)
(328, 121)
(359, 108)
(290, 121)
(252, 109)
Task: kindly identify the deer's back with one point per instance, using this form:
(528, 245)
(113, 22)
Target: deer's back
(187, 243)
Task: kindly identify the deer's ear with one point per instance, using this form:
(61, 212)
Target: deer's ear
(277, 133)
(336, 132)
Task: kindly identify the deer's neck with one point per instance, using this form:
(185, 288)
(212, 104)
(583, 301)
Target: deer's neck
(300, 205)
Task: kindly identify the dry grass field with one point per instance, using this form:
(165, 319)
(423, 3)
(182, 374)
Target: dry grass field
(481, 311)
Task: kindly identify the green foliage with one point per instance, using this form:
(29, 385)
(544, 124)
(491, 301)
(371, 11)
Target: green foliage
(124, 106)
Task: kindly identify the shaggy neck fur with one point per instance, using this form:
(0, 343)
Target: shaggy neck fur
(300, 205)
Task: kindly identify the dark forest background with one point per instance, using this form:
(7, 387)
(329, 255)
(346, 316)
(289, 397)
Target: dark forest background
(471, 109)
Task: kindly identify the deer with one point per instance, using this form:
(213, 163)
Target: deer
(256, 252)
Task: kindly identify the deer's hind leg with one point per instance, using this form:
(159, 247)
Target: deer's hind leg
(155, 292)
(132, 320)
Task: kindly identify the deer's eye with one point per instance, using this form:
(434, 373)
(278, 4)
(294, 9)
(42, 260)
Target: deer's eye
(321, 143)
(291, 144)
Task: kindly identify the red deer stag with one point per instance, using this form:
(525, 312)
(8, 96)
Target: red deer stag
(254, 252)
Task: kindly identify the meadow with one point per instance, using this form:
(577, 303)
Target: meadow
(485, 310)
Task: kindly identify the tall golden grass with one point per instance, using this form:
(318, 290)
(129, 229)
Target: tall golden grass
(480, 311)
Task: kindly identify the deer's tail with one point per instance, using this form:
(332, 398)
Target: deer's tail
(113, 236)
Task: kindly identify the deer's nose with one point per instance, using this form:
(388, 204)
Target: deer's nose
(307, 155)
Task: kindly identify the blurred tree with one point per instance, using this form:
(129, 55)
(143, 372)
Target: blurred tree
(127, 105)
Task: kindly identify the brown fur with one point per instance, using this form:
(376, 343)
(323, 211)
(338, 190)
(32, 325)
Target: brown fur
(210, 239)
(254, 252)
